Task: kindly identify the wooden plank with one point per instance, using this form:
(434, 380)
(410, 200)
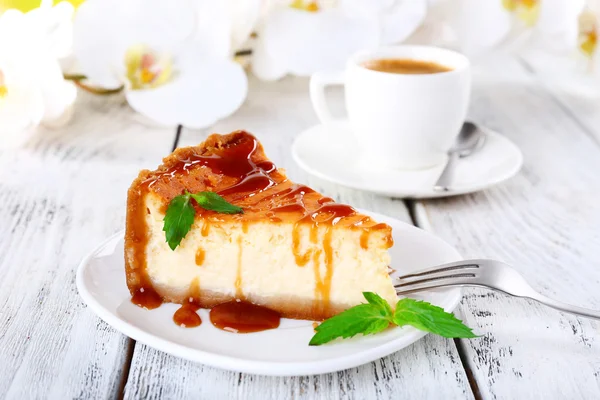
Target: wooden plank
(61, 193)
(425, 370)
(577, 97)
(544, 222)
(277, 112)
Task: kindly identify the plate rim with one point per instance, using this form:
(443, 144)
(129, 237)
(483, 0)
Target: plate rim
(403, 193)
(254, 367)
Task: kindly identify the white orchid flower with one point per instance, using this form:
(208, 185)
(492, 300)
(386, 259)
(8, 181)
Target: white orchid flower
(587, 38)
(554, 25)
(244, 16)
(579, 71)
(21, 103)
(55, 24)
(175, 63)
(470, 25)
(304, 36)
(572, 62)
(521, 25)
(32, 87)
(398, 19)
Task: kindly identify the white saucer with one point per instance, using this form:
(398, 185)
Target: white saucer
(334, 155)
(281, 352)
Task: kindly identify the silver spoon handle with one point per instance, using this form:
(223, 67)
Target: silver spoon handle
(445, 179)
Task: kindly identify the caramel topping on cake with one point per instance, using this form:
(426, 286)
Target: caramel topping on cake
(235, 167)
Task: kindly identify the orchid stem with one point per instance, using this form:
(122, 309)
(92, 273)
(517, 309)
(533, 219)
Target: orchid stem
(74, 77)
(177, 136)
(99, 91)
(245, 52)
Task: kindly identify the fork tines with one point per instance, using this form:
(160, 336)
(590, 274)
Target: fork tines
(444, 275)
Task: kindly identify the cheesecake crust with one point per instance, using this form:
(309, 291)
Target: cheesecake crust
(236, 167)
(287, 306)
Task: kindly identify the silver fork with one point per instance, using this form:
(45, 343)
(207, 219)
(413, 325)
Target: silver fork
(490, 274)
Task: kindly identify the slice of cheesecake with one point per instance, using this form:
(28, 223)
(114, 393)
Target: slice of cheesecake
(291, 250)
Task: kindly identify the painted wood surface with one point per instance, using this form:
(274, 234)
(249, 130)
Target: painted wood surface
(545, 222)
(423, 370)
(61, 193)
(64, 190)
(578, 96)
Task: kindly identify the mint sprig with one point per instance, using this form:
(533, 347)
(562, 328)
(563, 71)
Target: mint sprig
(377, 315)
(180, 214)
(427, 317)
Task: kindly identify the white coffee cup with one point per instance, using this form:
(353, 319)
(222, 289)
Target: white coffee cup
(401, 121)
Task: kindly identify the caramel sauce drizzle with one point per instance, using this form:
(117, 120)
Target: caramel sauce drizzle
(301, 258)
(364, 239)
(238, 277)
(243, 317)
(205, 228)
(186, 316)
(323, 282)
(235, 166)
(317, 304)
(200, 255)
(146, 297)
(136, 234)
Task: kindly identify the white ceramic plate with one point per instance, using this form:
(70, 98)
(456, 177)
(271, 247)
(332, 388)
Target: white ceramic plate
(334, 155)
(281, 352)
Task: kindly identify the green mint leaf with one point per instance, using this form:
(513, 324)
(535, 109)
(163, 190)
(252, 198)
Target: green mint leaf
(180, 214)
(427, 317)
(376, 300)
(178, 219)
(214, 202)
(377, 315)
(363, 318)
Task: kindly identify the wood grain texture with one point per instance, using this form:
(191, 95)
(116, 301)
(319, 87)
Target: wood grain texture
(409, 373)
(577, 95)
(61, 193)
(544, 222)
(276, 113)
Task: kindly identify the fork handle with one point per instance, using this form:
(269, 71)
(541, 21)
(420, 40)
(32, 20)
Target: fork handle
(530, 294)
(558, 305)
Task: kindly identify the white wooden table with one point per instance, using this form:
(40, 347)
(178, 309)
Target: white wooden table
(63, 191)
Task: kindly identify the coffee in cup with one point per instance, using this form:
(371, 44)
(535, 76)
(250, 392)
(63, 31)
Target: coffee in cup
(405, 66)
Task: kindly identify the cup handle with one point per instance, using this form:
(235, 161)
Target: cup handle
(318, 82)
